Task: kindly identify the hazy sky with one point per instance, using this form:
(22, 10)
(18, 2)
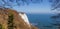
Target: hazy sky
(43, 7)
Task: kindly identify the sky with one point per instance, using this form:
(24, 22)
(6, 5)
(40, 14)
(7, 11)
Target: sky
(44, 7)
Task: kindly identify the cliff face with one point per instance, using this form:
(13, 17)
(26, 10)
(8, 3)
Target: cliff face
(11, 19)
(25, 18)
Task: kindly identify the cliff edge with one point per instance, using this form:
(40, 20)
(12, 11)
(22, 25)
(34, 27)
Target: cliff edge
(11, 19)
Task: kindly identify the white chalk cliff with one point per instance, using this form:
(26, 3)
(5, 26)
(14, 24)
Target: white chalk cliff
(11, 19)
(24, 17)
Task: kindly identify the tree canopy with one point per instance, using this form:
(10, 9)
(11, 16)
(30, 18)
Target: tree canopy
(55, 4)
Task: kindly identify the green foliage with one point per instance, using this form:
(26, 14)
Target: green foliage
(10, 22)
(0, 26)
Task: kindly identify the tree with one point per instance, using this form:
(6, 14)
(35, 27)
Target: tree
(55, 4)
(56, 18)
(12, 3)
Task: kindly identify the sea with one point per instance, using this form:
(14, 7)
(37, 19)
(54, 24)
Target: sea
(42, 21)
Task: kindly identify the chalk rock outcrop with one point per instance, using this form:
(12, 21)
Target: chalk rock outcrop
(11, 19)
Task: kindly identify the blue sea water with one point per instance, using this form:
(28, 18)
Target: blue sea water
(42, 21)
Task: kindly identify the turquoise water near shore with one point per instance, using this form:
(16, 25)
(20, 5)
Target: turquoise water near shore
(42, 21)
